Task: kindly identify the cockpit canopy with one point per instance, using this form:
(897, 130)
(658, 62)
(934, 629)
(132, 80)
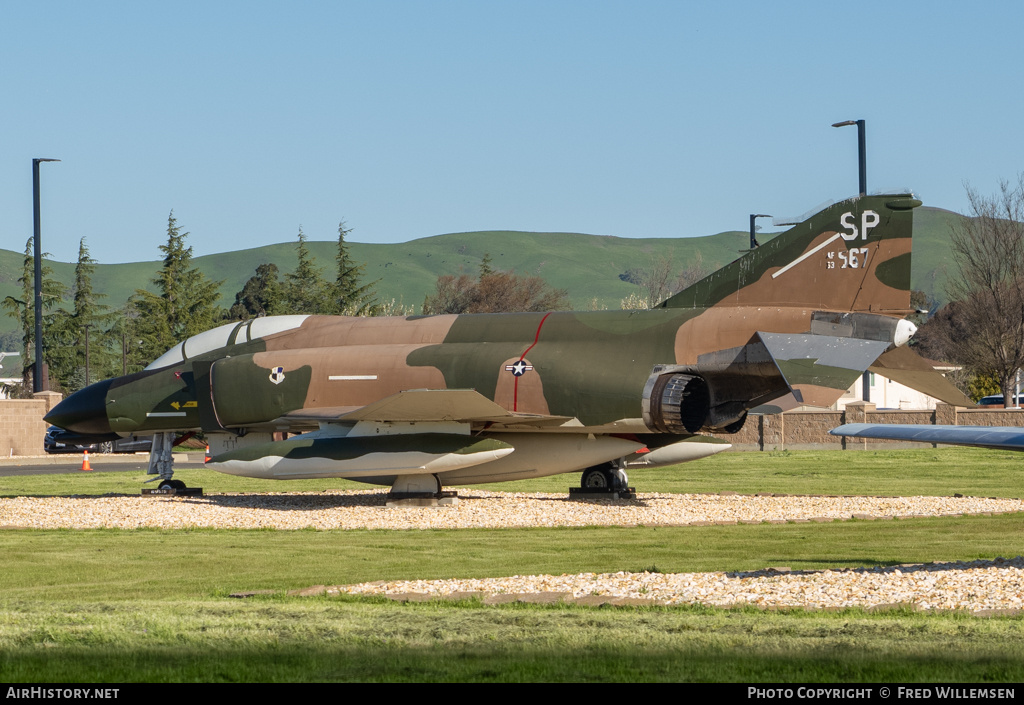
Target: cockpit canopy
(223, 336)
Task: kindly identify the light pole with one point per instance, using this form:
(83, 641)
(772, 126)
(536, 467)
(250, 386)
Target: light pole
(861, 153)
(862, 164)
(753, 240)
(37, 376)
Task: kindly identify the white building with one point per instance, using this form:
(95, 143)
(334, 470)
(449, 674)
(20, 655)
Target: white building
(887, 394)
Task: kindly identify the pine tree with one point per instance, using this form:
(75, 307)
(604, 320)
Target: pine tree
(486, 269)
(53, 293)
(350, 297)
(22, 309)
(88, 310)
(260, 296)
(72, 332)
(184, 305)
(305, 289)
(92, 321)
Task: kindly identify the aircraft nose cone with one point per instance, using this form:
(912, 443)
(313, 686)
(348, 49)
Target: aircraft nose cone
(83, 412)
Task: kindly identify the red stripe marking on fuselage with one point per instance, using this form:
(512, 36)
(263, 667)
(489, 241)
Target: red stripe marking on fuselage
(515, 387)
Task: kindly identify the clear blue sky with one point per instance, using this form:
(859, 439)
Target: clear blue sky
(411, 119)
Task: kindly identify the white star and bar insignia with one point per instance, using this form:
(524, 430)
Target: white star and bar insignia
(519, 368)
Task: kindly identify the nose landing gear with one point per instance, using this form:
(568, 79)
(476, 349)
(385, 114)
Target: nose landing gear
(161, 464)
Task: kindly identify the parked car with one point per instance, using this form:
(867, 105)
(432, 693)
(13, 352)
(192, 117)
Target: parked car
(57, 440)
(997, 400)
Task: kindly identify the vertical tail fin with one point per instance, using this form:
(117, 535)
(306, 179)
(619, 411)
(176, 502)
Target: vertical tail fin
(852, 256)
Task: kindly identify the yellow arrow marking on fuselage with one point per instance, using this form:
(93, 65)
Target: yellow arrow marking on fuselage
(186, 405)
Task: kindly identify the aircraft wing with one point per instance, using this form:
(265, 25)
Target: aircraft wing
(1003, 437)
(818, 368)
(458, 405)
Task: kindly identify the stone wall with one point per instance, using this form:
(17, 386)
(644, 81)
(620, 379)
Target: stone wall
(809, 430)
(21, 424)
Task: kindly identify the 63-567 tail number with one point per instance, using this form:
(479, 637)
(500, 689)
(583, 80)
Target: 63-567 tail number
(853, 258)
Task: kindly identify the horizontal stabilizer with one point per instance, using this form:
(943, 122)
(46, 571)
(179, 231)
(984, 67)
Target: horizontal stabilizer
(1003, 437)
(774, 372)
(820, 368)
(905, 366)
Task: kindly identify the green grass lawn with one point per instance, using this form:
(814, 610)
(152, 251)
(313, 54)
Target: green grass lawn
(316, 639)
(112, 565)
(151, 605)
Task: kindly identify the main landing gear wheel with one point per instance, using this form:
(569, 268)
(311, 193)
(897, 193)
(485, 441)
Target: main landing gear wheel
(604, 477)
(172, 485)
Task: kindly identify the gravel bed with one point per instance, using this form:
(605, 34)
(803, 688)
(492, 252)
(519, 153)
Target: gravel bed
(364, 509)
(979, 586)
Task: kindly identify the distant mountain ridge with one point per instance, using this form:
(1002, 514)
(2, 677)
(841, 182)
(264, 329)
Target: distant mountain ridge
(587, 266)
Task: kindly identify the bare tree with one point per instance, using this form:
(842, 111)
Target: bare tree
(494, 292)
(452, 295)
(693, 272)
(988, 287)
(656, 281)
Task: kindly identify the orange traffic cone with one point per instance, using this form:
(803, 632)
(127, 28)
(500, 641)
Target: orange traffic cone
(206, 459)
(85, 462)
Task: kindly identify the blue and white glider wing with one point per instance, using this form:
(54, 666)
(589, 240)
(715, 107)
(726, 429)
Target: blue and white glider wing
(1003, 437)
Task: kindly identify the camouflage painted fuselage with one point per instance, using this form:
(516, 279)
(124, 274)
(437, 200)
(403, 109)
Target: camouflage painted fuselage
(589, 366)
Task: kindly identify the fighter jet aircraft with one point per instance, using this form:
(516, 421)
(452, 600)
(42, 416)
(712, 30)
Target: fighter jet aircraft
(422, 402)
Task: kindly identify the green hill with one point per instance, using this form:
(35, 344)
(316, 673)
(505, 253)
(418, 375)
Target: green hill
(932, 264)
(587, 266)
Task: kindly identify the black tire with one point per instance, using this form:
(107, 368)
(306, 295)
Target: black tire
(599, 477)
(172, 485)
